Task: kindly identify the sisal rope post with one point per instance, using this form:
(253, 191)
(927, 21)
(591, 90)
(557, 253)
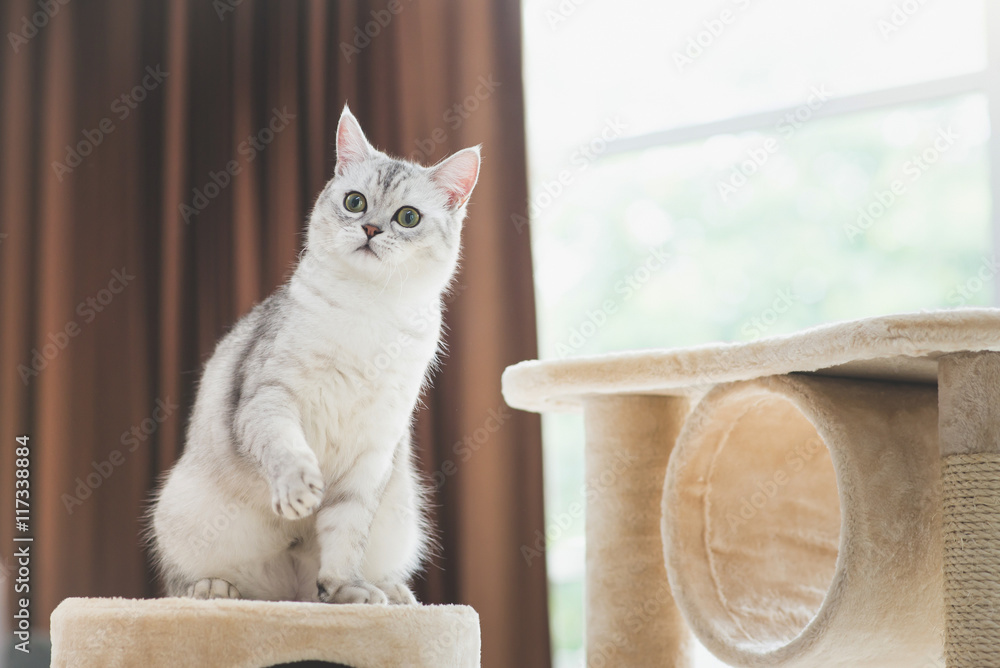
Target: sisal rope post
(969, 427)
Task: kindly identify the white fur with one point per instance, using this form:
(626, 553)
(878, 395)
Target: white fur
(297, 481)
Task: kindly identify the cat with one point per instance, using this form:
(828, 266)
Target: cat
(298, 480)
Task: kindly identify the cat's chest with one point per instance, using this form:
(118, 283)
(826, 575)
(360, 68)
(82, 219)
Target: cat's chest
(340, 417)
(362, 385)
(370, 361)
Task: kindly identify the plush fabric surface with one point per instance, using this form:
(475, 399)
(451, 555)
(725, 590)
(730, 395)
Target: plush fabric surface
(130, 633)
(970, 421)
(630, 612)
(802, 503)
(898, 347)
(802, 523)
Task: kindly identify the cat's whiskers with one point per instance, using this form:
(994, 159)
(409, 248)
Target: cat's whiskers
(388, 264)
(403, 280)
(393, 270)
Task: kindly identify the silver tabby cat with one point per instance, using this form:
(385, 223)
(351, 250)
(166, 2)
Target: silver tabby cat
(298, 481)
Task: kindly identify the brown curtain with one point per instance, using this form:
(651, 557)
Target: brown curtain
(114, 114)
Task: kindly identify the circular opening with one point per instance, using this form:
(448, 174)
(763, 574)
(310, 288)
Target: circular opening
(761, 503)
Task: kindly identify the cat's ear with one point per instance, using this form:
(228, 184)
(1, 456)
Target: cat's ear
(352, 146)
(457, 175)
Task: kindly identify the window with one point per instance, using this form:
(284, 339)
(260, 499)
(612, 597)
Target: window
(726, 171)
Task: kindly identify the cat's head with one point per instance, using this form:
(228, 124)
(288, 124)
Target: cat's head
(386, 219)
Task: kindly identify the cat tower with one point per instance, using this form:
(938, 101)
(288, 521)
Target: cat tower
(223, 633)
(829, 498)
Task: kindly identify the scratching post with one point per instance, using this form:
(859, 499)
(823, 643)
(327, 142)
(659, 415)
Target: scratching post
(970, 448)
(169, 632)
(631, 614)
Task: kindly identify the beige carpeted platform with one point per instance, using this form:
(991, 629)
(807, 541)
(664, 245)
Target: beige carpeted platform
(899, 348)
(130, 633)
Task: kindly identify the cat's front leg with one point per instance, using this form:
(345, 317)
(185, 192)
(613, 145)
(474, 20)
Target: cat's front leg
(268, 429)
(343, 526)
(296, 484)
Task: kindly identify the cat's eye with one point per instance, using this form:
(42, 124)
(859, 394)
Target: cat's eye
(407, 216)
(355, 202)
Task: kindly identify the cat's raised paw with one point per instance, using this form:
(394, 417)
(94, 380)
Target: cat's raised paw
(212, 588)
(331, 591)
(298, 492)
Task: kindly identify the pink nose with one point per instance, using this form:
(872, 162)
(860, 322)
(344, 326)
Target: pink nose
(371, 230)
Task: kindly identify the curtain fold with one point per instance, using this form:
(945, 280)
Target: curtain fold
(159, 163)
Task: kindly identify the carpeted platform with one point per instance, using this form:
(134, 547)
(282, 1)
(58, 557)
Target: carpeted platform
(130, 633)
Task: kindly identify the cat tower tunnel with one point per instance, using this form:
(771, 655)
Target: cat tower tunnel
(829, 498)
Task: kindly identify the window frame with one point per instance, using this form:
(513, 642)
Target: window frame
(986, 82)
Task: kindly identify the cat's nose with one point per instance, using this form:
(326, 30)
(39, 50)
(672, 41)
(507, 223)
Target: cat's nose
(371, 230)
